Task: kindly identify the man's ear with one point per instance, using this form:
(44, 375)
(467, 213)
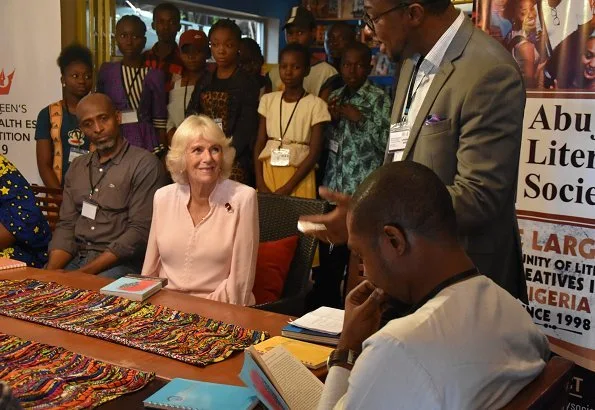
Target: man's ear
(119, 117)
(397, 238)
(153, 26)
(416, 13)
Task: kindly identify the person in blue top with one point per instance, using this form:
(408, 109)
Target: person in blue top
(24, 231)
(59, 139)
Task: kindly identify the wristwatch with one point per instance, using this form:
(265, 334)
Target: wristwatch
(341, 356)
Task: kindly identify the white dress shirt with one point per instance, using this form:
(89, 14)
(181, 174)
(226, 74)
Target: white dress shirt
(472, 346)
(430, 67)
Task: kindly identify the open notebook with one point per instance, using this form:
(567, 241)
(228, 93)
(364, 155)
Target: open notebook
(280, 380)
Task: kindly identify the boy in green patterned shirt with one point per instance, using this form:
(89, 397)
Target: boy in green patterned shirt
(356, 140)
(361, 119)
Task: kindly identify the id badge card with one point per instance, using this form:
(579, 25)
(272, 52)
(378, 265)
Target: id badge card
(280, 157)
(333, 146)
(129, 117)
(399, 135)
(75, 153)
(89, 210)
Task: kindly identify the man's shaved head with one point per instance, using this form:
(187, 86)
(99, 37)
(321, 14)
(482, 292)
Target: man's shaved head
(100, 122)
(94, 101)
(408, 195)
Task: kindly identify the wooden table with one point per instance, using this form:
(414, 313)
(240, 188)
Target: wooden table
(224, 372)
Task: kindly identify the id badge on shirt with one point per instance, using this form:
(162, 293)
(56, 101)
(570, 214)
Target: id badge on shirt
(75, 153)
(280, 157)
(129, 117)
(399, 135)
(333, 146)
(89, 210)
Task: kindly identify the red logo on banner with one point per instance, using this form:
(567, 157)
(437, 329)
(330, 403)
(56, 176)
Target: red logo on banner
(4, 86)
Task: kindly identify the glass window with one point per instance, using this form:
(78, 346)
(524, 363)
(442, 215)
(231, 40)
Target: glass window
(193, 17)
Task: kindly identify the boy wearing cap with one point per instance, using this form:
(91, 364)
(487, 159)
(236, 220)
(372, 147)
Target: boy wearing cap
(194, 51)
(300, 27)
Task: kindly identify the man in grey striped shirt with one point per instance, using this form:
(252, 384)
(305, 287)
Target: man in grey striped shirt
(107, 204)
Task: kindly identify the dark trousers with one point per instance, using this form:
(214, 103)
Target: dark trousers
(328, 278)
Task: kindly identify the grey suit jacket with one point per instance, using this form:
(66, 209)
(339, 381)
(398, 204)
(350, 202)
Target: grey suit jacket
(479, 93)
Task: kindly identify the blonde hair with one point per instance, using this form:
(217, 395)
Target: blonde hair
(196, 126)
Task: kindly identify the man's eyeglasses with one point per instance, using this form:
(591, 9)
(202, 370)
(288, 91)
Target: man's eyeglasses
(370, 22)
(555, 18)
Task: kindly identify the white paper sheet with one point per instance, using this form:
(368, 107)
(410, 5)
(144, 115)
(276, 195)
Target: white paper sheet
(324, 319)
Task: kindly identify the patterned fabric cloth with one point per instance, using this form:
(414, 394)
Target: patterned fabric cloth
(357, 149)
(187, 337)
(48, 377)
(22, 218)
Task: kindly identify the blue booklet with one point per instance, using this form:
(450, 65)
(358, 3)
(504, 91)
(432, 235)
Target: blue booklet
(298, 333)
(134, 287)
(194, 395)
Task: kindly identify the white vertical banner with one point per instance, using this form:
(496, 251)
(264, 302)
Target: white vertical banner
(554, 46)
(556, 209)
(29, 76)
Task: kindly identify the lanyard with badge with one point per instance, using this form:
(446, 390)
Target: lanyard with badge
(399, 132)
(280, 156)
(130, 116)
(89, 206)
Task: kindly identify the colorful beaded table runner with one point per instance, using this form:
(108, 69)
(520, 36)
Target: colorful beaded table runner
(187, 337)
(49, 377)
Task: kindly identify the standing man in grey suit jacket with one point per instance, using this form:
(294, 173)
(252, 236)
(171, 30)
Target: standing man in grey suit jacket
(458, 110)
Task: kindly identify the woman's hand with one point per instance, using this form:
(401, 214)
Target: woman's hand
(284, 190)
(262, 187)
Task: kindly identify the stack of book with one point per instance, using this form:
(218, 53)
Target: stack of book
(322, 325)
(276, 372)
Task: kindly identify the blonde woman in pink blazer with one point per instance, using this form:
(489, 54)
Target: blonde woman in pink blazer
(204, 233)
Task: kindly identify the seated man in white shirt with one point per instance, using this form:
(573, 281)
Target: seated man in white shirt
(466, 343)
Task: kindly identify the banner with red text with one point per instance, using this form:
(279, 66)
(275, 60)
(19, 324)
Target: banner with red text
(554, 44)
(29, 76)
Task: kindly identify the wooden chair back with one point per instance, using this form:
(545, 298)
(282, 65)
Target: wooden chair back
(49, 201)
(548, 390)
